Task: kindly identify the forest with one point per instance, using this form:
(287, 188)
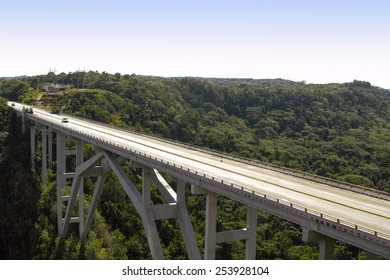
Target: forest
(341, 131)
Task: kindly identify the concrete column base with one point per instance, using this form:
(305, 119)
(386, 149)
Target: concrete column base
(326, 243)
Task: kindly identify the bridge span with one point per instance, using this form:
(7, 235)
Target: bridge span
(326, 209)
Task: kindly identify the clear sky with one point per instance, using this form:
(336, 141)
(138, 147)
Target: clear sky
(319, 41)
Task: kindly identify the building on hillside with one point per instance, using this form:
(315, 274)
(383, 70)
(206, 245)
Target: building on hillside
(55, 88)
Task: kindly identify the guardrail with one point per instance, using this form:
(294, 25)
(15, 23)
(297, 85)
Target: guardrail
(358, 230)
(284, 170)
(288, 171)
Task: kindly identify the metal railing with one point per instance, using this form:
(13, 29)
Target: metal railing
(284, 170)
(358, 230)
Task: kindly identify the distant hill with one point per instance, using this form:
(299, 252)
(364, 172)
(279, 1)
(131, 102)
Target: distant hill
(248, 81)
(14, 78)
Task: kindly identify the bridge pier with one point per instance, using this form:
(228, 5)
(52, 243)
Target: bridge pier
(175, 208)
(79, 161)
(320, 227)
(62, 176)
(371, 256)
(211, 226)
(149, 218)
(327, 248)
(212, 237)
(326, 243)
(61, 182)
(101, 174)
(250, 240)
(32, 140)
(50, 143)
(44, 155)
(185, 223)
(23, 121)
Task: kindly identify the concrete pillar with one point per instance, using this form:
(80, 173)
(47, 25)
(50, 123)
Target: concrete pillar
(327, 249)
(61, 181)
(44, 155)
(250, 241)
(148, 217)
(146, 192)
(211, 226)
(371, 256)
(326, 243)
(180, 192)
(80, 160)
(50, 143)
(92, 207)
(185, 223)
(212, 237)
(23, 121)
(33, 152)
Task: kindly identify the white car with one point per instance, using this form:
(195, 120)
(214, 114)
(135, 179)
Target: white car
(65, 120)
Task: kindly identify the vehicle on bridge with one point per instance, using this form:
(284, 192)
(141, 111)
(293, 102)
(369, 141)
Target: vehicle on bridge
(65, 120)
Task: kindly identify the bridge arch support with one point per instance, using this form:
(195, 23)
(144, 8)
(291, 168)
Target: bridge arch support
(99, 166)
(212, 237)
(368, 238)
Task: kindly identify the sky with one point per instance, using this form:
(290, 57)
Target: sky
(317, 41)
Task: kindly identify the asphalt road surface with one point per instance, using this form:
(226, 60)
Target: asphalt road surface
(362, 210)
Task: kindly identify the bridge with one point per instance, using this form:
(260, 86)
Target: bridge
(327, 210)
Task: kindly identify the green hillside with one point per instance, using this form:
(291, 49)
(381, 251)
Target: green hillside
(340, 131)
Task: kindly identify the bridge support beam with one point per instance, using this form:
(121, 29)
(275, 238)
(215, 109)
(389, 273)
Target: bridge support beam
(23, 121)
(92, 207)
(212, 237)
(50, 143)
(176, 207)
(137, 200)
(327, 243)
(61, 181)
(176, 201)
(79, 161)
(44, 155)
(371, 256)
(77, 185)
(101, 173)
(211, 226)
(32, 140)
(62, 176)
(185, 223)
(250, 240)
(148, 216)
(316, 223)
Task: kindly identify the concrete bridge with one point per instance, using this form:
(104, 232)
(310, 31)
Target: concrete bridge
(326, 209)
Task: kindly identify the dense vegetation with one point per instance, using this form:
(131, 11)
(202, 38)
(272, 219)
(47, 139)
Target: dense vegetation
(335, 130)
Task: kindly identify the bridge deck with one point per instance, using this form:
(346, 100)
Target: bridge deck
(355, 208)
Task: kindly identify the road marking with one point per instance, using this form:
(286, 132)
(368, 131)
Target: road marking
(235, 172)
(118, 135)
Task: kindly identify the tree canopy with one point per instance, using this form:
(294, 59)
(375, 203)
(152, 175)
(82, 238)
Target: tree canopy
(341, 131)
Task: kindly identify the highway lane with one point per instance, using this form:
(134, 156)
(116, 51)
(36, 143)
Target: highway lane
(345, 205)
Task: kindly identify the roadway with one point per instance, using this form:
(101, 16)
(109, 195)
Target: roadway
(359, 209)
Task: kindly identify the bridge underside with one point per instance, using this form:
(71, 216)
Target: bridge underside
(100, 165)
(174, 206)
